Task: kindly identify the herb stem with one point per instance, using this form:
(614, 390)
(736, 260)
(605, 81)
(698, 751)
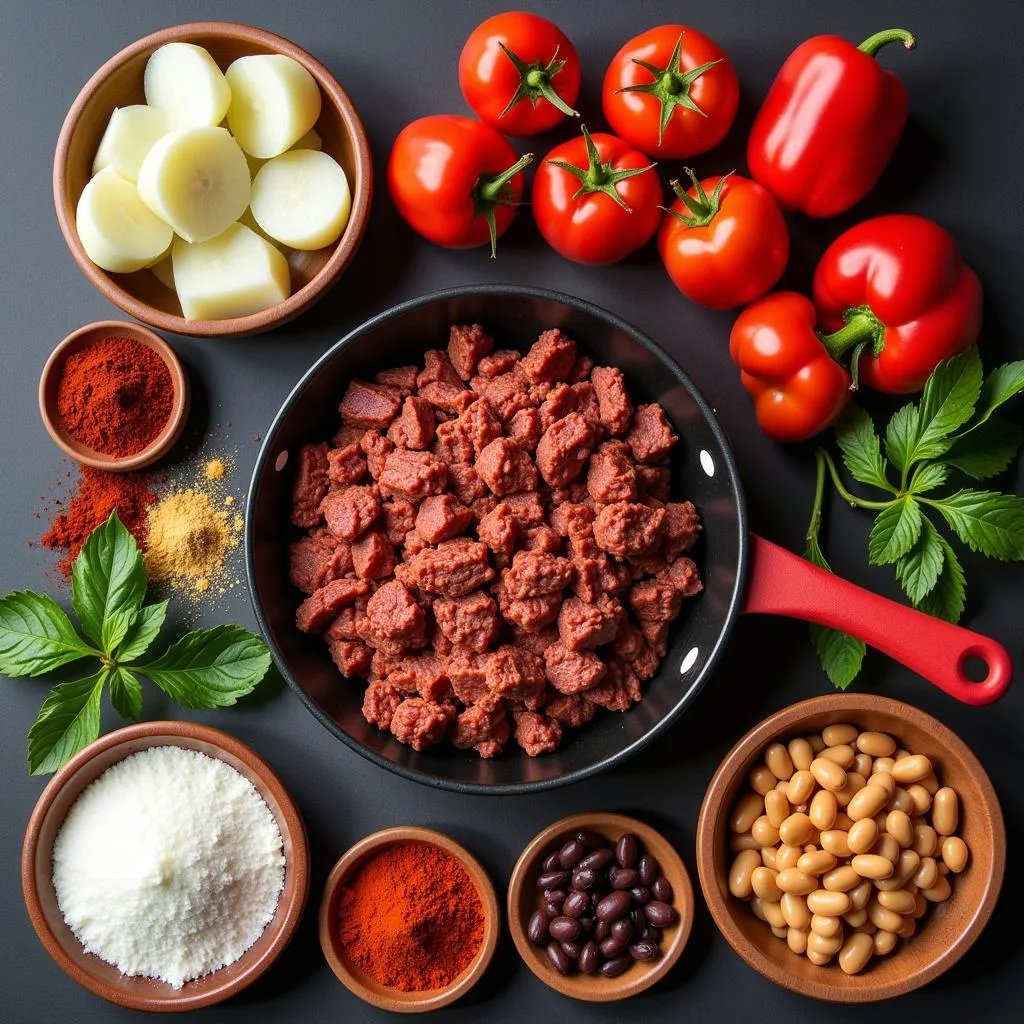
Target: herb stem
(814, 523)
(847, 496)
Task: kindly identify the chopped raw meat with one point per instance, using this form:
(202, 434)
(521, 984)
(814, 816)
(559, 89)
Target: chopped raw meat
(311, 483)
(421, 723)
(322, 605)
(351, 512)
(615, 408)
(551, 358)
(441, 517)
(451, 569)
(572, 671)
(506, 468)
(466, 347)
(650, 437)
(536, 733)
(563, 449)
(413, 475)
(373, 556)
(346, 466)
(470, 621)
(627, 528)
(369, 405)
(394, 613)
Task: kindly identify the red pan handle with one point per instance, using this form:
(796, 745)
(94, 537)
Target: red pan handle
(782, 583)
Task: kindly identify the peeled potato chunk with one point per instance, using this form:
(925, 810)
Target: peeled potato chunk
(197, 180)
(302, 199)
(311, 140)
(131, 133)
(163, 271)
(274, 102)
(118, 230)
(234, 274)
(184, 81)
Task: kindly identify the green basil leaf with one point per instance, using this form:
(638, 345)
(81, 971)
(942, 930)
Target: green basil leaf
(68, 720)
(210, 668)
(986, 521)
(895, 531)
(125, 693)
(841, 655)
(927, 476)
(918, 570)
(901, 435)
(950, 395)
(36, 635)
(108, 583)
(861, 448)
(946, 599)
(987, 450)
(1002, 384)
(143, 631)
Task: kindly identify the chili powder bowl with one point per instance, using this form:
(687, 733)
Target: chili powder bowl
(360, 983)
(49, 384)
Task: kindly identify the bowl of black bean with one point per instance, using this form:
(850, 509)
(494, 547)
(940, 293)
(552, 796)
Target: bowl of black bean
(600, 906)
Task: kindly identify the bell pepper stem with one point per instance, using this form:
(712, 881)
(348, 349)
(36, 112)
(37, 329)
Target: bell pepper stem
(874, 43)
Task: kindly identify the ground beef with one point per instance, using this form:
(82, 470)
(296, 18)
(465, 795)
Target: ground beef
(563, 449)
(469, 621)
(614, 407)
(483, 727)
(376, 448)
(627, 528)
(534, 574)
(437, 369)
(369, 405)
(516, 674)
(379, 703)
(394, 613)
(441, 517)
(311, 482)
(351, 512)
(650, 437)
(415, 427)
(506, 468)
(572, 671)
(551, 358)
(611, 475)
(451, 569)
(351, 657)
(466, 347)
(498, 362)
(346, 465)
(399, 378)
(312, 564)
(421, 723)
(525, 429)
(413, 475)
(499, 530)
(571, 709)
(373, 557)
(322, 605)
(536, 733)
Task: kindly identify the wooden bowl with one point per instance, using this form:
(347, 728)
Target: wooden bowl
(948, 929)
(50, 381)
(524, 899)
(97, 975)
(119, 83)
(361, 984)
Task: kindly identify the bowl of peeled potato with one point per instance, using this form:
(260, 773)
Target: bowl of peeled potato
(212, 179)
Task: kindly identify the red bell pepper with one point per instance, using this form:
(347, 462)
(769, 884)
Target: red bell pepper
(900, 283)
(797, 387)
(829, 124)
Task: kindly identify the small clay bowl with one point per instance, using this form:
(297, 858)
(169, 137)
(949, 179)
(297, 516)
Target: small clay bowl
(96, 975)
(361, 984)
(50, 381)
(948, 929)
(524, 899)
(118, 83)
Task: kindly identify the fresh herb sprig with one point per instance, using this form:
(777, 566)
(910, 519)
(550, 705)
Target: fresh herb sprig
(951, 431)
(207, 668)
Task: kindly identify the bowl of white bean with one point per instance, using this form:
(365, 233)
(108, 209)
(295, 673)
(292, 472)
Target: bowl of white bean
(851, 848)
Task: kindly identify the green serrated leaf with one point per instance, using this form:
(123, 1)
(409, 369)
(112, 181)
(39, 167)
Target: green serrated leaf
(125, 693)
(946, 599)
(987, 450)
(918, 570)
(861, 448)
(927, 476)
(901, 435)
(895, 531)
(986, 521)
(1002, 384)
(210, 668)
(841, 655)
(68, 720)
(950, 395)
(108, 583)
(36, 635)
(143, 631)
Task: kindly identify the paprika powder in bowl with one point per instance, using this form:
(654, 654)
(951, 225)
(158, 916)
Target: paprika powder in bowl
(409, 920)
(114, 396)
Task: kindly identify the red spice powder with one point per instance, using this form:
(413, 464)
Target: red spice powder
(115, 395)
(411, 918)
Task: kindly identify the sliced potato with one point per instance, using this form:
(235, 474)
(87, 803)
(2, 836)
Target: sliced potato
(163, 271)
(130, 134)
(184, 81)
(311, 140)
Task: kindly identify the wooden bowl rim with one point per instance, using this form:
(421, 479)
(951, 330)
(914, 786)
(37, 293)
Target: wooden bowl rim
(161, 444)
(831, 988)
(344, 248)
(584, 987)
(203, 991)
(365, 988)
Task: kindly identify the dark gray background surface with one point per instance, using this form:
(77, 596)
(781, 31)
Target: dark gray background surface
(958, 162)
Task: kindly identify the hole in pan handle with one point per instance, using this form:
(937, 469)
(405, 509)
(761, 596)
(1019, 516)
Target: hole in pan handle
(782, 583)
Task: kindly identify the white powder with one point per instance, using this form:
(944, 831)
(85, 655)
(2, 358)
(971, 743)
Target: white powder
(169, 865)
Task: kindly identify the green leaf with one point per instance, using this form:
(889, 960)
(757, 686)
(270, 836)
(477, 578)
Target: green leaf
(918, 570)
(861, 448)
(901, 435)
(36, 636)
(210, 668)
(125, 693)
(142, 632)
(68, 720)
(927, 476)
(895, 531)
(946, 599)
(1002, 384)
(987, 450)
(108, 583)
(986, 521)
(840, 654)
(950, 395)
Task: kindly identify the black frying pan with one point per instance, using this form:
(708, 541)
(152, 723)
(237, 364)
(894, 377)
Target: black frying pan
(741, 572)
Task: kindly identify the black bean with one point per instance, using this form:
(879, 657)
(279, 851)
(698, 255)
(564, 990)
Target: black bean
(586, 924)
(576, 904)
(558, 959)
(592, 840)
(569, 854)
(649, 869)
(554, 909)
(613, 968)
(654, 934)
(598, 859)
(550, 862)
(622, 929)
(612, 947)
(636, 915)
(640, 894)
(571, 950)
(590, 958)
(553, 880)
(537, 929)
(613, 906)
(659, 914)
(623, 878)
(583, 879)
(627, 849)
(565, 929)
(554, 895)
(602, 930)
(662, 889)
(643, 950)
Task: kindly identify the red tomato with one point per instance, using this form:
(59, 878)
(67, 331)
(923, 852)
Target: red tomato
(519, 73)
(455, 181)
(726, 248)
(596, 199)
(671, 92)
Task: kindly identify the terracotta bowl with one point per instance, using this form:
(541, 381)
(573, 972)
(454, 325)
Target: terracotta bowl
(119, 83)
(361, 984)
(524, 899)
(947, 930)
(50, 381)
(104, 979)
